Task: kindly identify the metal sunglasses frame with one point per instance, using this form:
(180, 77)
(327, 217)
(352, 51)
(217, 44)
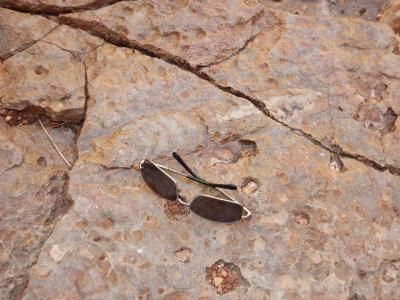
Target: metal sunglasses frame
(194, 177)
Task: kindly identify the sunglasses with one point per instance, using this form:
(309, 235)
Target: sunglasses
(210, 207)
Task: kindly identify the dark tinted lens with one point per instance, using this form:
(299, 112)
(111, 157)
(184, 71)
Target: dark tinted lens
(216, 210)
(159, 182)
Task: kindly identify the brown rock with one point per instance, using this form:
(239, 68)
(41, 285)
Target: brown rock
(183, 254)
(176, 296)
(54, 6)
(323, 225)
(356, 8)
(49, 75)
(30, 204)
(134, 98)
(391, 15)
(314, 7)
(311, 73)
(320, 241)
(206, 33)
(315, 75)
(18, 31)
(76, 41)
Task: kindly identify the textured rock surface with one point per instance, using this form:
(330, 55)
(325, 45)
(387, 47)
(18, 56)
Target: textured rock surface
(54, 6)
(391, 15)
(317, 75)
(49, 75)
(337, 79)
(266, 99)
(33, 178)
(314, 232)
(139, 104)
(206, 33)
(302, 7)
(18, 31)
(367, 9)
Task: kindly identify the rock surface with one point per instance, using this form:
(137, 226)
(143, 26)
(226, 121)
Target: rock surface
(207, 33)
(302, 7)
(391, 15)
(314, 231)
(54, 6)
(336, 79)
(366, 9)
(316, 75)
(295, 102)
(49, 75)
(33, 179)
(18, 31)
(139, 104)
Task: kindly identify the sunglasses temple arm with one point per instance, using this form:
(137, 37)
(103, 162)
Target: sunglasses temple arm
(214, 185)
(246, 210)
(200, 180)
(179, 159)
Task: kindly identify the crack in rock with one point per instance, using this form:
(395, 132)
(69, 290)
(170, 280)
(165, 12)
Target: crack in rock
(55, 10)
(99, 30)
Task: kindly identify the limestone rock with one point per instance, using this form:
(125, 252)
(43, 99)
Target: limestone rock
(53, 6)
(194, 33)
(313, 230)
(49, 75)
(335, 79)
(32, 197)
(138, 105)
(18, 31)
(391, 15)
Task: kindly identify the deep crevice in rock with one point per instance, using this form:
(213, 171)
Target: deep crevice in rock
(30, 114)
(26, 116)
(86, 90)
(55, 10)
(116, 39)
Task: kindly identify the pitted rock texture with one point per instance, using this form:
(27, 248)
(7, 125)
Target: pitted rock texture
(18, 31)
(314, 231)
(316, 75)
(133, 99)
(311, 73)
(391, 15)
(207, 33)
(50, 75)
(366, 9)
(32, 197)
(295, 106)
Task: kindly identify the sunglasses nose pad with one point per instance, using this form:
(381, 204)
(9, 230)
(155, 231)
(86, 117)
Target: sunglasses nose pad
(182, 200)
(246, 213)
